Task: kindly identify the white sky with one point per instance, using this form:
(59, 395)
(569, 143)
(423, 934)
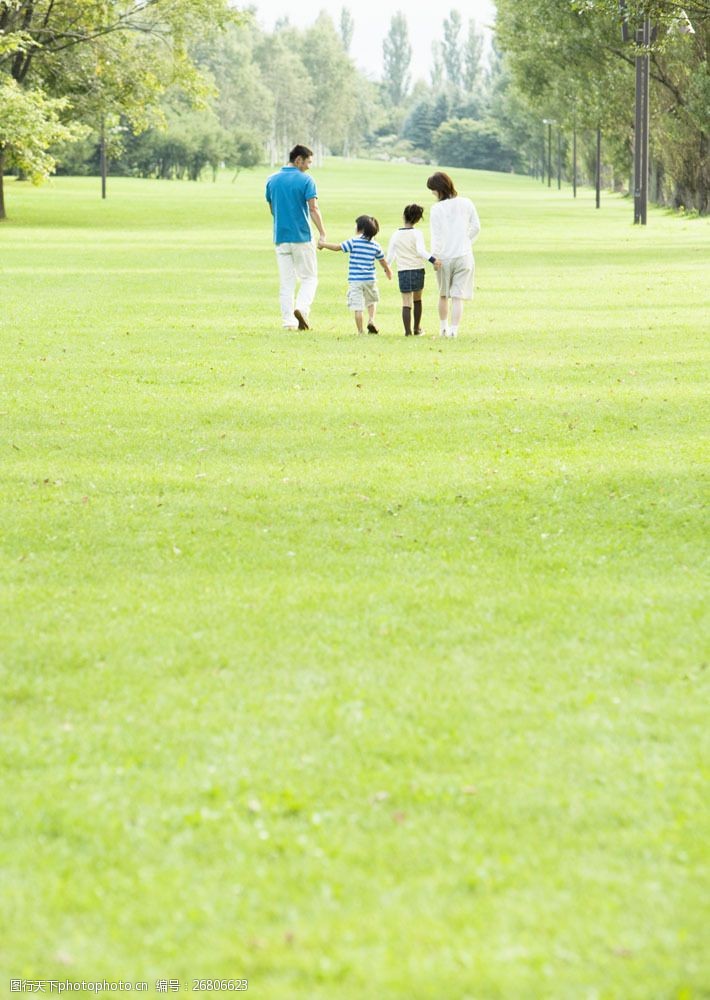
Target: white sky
(372, 20)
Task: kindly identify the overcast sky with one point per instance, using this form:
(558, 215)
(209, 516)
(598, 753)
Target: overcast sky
(372, 20)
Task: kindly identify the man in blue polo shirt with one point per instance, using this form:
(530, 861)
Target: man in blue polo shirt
(292, 198)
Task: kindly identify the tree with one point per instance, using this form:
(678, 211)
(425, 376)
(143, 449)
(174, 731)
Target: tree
(244, 101)
(662, 12)
(472, 58)
(397, 57)
(420, 125)
(291, 92)
(477, 145)
(569, 62)
(333, 76)
(517, 125)
(289, 86)
(243, 151)
(452, 48)
(29, 125)
(118, 55)
(437, 65)
(347, 26)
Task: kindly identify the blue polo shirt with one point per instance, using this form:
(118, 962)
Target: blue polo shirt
(288, 192)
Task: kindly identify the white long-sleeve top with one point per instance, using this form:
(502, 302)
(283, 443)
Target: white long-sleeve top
(407, 247)
(454, 226)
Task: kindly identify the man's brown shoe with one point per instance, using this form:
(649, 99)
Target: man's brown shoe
(302, 325)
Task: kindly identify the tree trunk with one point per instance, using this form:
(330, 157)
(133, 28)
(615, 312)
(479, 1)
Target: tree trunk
(2, 185)
(102, 158)
(598, 169)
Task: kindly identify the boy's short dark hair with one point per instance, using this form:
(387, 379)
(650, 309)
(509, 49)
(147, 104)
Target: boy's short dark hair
(413, 213)
(368, 226)
(297, 151)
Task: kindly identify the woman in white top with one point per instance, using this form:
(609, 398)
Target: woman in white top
(454, 226)
(407, 248)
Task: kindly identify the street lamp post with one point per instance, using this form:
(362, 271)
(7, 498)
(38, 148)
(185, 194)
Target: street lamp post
(103, 162)
(643, 36)
(549, 122)
(643, 41)
(542, 162)
(598, 170)
(574, 159)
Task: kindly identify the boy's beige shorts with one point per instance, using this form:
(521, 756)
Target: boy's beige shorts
(362, 294)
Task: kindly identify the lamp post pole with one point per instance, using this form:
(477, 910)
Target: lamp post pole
(599, 167)
(643, 41)
(549, 122)
(542, 162)
(574, 160)
(102, 156)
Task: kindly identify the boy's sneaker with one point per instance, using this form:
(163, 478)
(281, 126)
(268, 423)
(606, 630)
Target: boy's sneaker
(302, 325)
(419, 332)
(371, 328)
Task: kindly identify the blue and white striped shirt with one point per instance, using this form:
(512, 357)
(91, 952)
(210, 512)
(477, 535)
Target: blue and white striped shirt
(363, 254)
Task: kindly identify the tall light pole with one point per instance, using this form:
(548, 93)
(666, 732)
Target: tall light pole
(598, 168)
(549, 122)
(643, 41)
(643, 36)
(574, 158)
(542, 162)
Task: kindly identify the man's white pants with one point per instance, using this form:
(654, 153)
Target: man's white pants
(297, 263)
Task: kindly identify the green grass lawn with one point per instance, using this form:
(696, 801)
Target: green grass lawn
(354, 667)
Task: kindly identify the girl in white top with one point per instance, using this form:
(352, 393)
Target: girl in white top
(454, 226)
(408, 249)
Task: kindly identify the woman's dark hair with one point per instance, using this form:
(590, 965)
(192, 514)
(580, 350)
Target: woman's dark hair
(442, 184)
(297, 151)
(413, 213)
(368, 226)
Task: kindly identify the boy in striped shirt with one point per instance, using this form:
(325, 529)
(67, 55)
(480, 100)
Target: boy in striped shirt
(362, 286)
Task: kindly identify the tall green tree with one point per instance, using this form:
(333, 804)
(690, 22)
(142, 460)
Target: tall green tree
(436, 74)
(111, 56)
(570, 63)
(244, 103)
(472, 54)
(397, 58)
(474, 144)
(29, 125)
(286, 78)
(347, 27)
(419, 125)
(333, 77)
(452, 53)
